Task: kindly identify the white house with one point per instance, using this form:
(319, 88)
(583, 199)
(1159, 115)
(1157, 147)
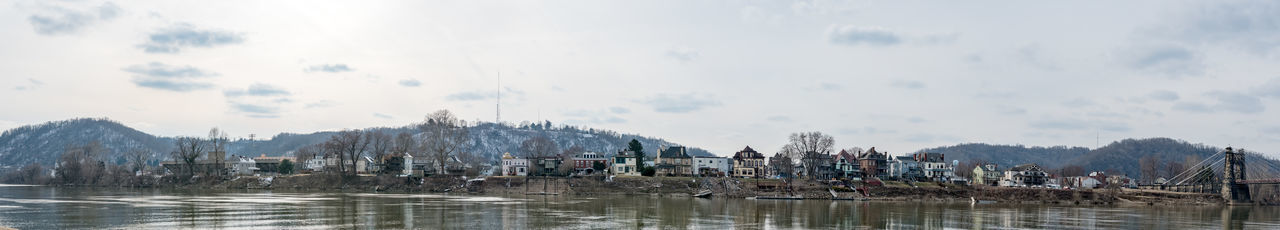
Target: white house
(712, 166)
(514, 166)
(625, 163)
(316, 163)
(243, 166)
(1024, 175)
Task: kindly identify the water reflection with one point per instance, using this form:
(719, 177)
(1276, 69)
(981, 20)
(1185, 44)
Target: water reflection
(47, 207)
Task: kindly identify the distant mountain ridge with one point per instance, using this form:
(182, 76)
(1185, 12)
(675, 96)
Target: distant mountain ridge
(1120, 156)
(44, 143)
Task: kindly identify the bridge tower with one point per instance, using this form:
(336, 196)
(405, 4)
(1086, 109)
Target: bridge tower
(1233, 170)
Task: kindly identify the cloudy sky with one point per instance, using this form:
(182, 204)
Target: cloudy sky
(712, 74)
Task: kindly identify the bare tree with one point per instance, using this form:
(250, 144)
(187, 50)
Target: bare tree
(1149, 166)
(348, 145)
(535, 149)
(1072, 170)
(567, 157)
(218, 148)
(188, 150)
(138, 158)
(1173, 168)
(443, 136)
(81, 163)
(306, 153)
(806, 146)
(404, 144)
(379, 144)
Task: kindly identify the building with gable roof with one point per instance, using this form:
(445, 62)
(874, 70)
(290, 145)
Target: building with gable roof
(748, 164)
(673, 161)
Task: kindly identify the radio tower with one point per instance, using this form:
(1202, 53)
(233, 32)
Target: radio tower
(499, 106)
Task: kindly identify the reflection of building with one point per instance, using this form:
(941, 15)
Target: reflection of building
(711, 166)
(1024, 175)
(514, 166)
(674, 161)
(748, 163)
(626, 163)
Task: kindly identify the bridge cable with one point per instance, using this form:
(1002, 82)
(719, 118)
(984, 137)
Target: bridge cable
(1195, 167)
(1211, 166)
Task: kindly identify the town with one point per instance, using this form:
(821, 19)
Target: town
(854, 170)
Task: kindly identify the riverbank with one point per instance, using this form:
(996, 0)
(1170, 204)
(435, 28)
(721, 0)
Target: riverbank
(674, 186)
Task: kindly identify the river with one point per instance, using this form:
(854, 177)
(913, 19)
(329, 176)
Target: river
(36, 207)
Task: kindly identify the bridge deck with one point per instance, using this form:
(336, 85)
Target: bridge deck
(1260, 181)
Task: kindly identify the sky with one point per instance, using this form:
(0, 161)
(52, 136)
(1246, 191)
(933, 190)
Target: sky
(896, 75)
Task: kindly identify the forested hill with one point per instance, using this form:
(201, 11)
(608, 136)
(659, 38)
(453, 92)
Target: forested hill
(44, 143)
(1009, 155)
(1123, 157)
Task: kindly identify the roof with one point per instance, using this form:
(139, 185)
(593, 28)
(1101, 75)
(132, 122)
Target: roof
(748, 153)
(1025, 167)
(871, 153)
(673, 152)
(844, 156)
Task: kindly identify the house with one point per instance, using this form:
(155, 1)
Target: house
(584, 163)
(268, 164)
(1082, 182)
(1024, 175)
(873, 164)
(241, 165)
(546, 165)
(846, 165)
(316, 163)
(674, 161)
(818, 166)
(988, 174)
(421, 165)
(934, 166)
(780, 166)
(514, 166)
(748, 163)
(906, 168)
(366, 164)
(397, 163)
(626, 163)
(711, 166)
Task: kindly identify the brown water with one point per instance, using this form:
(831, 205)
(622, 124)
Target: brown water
(25, 207)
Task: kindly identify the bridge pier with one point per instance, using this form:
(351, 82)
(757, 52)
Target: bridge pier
(1234, 192)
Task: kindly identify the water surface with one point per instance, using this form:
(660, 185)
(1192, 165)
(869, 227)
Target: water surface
(28, 207)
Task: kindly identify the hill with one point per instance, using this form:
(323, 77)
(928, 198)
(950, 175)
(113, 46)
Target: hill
(44, 143)
(1120, 157)
(1009, 155)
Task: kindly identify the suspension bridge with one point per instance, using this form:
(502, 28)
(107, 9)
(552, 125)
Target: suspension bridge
(1235, 175)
